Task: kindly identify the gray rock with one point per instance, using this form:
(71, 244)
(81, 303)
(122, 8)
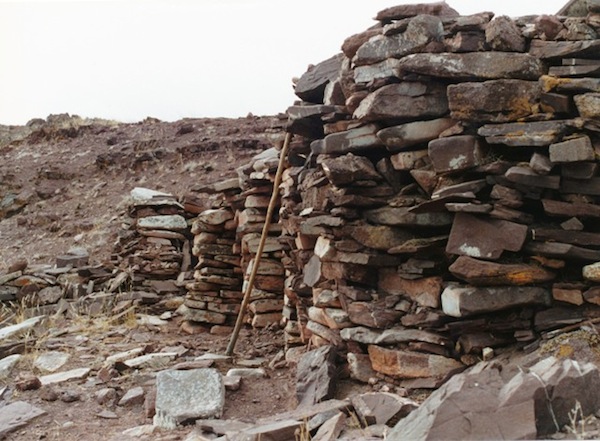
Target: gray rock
(381, 407)
(460, 301)
(51, 361)
(503, 35)
(474, 65)
(537, 133)
(132, 397)
(173, 222)
(60, 377)
(421, 30)
(348, 141)
(484, 238)
(311, 85)
(16, 415)
(397, 138)
(503, 404)
(188, 395)
(401, 216)
(384, 69)
(455, 153)
(247, 372)
(19, 328)
(495, 101)
(316, 376)
(563, 49)
(7, 364)
(406, 100)
(440, 9)
(572, 150)
(588, 104)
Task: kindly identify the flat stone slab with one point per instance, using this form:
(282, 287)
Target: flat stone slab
(25, 325)
(455, 153)
(406, 100)
(156, 360)
(51, 361)
(474, 65)
(61, 377)
(495, 101)
(311, 85)
(188, 395)
(167, 222)
(483, 237)
(7, 364)
(537, 133)
(460, 301)
(397, 138)
(408, 364)
(563, 49)
(479, 272)
(15, 415)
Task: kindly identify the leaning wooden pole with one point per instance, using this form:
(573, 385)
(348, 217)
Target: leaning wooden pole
(261, 246)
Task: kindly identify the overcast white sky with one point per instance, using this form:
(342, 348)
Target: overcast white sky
(128, 59)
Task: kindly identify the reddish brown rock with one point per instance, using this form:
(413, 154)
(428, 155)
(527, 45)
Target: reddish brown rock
(478, 272)
(405, 364)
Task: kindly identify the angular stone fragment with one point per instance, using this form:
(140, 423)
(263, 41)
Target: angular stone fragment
(402, 217)
(478, 272)
(215, 217)
(455, 153)
(380, 407)
(541, 164)
(373, 314)
(348, 141)
(400, 137)
(484, 238)
(408, 160)
(16, 415)
(526, 176)
(582, 238)
(562, 251)
(495, 101)
(566, 209)
(424, 291)
(384, 69)
(537, 133)
(311, 85)
(406, 100)
(474, 65)
(573, 150)
(465, 301)
(441, 9)
(167, 222)
(331, 429)
(378, 237)
(569, 84)
(316, 376)
(352, 43)
(188, 395)
(464, 41)
(346, 169)
(60, 377)
(406, 364)
(588, 104)
(563, 49)
(592, 272)
(503, 35)
(392, 336)
(421, 30)
(51, 361)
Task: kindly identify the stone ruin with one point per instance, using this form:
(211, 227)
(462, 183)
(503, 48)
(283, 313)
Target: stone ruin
(439, 202)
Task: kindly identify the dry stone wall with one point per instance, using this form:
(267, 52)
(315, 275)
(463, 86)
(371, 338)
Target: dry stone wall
(442, 188)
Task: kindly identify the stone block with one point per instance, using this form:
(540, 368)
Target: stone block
(400, 137)
(406, 364)
(572, 150)
(455, 153)
(188, 395)
(311, 85)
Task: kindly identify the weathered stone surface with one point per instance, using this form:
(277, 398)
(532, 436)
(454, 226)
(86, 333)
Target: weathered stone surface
(460, 301)
(378, 237)
(406, 100)
(51, 361)
(372, 314)
(333, 318)
(566, 236)
(188, 395)
(410, 10)
(392, 336)
(566, 209)
(316, 376)
(167, 222)
(592, 272)
(503, 35)
(132, 397)
(563, 49)
(589, 186)
(455, 153)
(421, 30)
(409, 160)
(424, 291)
(348, 141)
(562, 251)
(495, 101)
(360, 367)
(154, 360)
(464, 41)
(381, 407)
(60, 377)
(384, 69)
(397, 138)
(484, 238)
(562, 85)
(537, 133)
(16, 415)
(573, 150)
(7, 364)
(353, 42)
(406, 364)
(280, 430)
(311, 85)
(526, 176)
(346, 169)
(474, 65)
(215, 217)
(331, 429)
(25, 325)
(402, 217)
(588, 104)
(540, 164)
(478, 272)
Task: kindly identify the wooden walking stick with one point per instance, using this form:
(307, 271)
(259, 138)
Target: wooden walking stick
(261, 246)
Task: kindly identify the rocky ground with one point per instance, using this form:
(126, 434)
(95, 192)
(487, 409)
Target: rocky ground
(64, 183)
